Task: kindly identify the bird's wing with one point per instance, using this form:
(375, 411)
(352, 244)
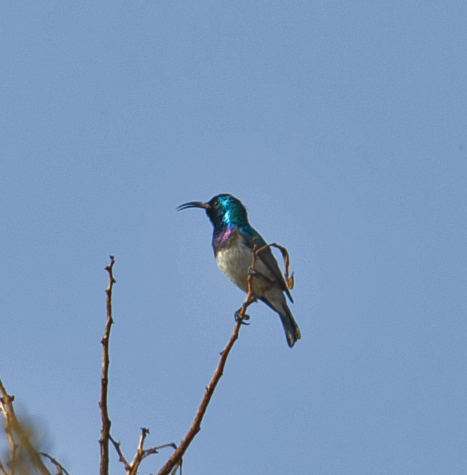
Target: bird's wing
(266, 256)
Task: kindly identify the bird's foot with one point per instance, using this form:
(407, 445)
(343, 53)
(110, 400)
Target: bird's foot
(241, 318)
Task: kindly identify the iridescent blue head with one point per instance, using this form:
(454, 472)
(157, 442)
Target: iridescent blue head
(223, 211)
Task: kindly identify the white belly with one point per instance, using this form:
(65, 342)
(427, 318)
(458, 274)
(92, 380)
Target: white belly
(235, 261)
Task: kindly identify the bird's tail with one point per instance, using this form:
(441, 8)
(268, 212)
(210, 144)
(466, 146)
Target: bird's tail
(277, 302)
(292, 332)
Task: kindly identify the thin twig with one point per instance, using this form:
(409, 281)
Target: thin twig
(289, 279)
(59, 466)
(120, 453)
(105, 431)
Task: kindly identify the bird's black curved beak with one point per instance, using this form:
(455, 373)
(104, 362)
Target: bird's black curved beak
(194, 204)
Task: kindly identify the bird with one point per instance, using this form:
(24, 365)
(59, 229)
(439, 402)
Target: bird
(233, 241)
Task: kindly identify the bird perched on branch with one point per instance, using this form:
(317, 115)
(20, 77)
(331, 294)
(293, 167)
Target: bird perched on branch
(233, 241)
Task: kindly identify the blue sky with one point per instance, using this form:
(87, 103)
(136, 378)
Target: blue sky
(341, 126)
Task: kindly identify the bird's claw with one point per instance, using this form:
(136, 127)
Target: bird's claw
(241, 318)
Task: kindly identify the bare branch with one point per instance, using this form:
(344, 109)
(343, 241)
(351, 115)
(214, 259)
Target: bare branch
(13, 427)
(106, 437)
(176, 458)
(105, 431)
